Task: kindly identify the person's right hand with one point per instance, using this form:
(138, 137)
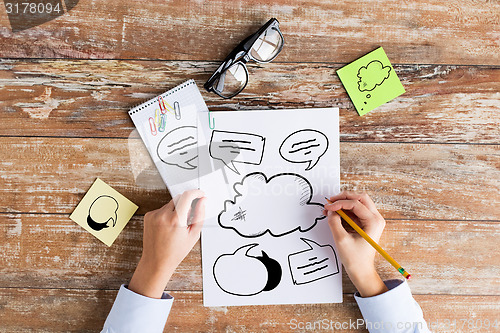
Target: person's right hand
(357, 255)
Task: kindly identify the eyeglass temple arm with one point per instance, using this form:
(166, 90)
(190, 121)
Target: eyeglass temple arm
(222, 67)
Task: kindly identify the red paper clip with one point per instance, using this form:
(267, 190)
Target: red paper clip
(163, 109)
(152, 126)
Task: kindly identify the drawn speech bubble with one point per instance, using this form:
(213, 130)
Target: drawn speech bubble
(241, 274)
(179, 147)
(235, 147)
(372, 75)
(312, 264)
(101, 211)
(289, 194)
(304, 146)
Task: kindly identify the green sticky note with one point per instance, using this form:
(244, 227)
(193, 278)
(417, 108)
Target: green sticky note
(370, 81)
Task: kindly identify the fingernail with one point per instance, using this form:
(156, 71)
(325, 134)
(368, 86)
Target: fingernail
(330, 213)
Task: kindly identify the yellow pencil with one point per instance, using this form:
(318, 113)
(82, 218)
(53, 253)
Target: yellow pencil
(372, 243)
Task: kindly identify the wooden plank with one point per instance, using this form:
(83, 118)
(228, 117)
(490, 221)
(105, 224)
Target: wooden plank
(442, 104)
(420, 31)
(66, 310)
(51, 175)
(51, 251)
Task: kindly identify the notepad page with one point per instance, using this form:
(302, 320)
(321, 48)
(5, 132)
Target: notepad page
(167, 126)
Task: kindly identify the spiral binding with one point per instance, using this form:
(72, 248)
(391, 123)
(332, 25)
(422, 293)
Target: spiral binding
(150, 102)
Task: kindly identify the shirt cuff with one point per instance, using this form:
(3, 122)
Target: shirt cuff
(132, 312)
(393, 311)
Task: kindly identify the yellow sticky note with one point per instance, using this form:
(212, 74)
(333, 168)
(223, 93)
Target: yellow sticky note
(370, 81)
(103, 212)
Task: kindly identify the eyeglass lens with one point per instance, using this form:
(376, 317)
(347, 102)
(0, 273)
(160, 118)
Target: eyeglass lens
(264, 49)
(267, 46)
(232, 81)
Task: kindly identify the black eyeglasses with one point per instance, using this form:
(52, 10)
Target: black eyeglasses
(232, 75)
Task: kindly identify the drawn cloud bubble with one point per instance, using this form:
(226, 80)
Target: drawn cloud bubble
(179, 147)
(372, 75)
(304, 146)
(278, 205)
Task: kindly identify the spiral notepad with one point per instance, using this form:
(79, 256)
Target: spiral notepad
(167, 125)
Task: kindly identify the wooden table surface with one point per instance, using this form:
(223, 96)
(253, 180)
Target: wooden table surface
(430, 158)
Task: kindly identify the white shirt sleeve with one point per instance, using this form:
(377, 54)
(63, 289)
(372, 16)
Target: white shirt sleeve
(393, 311)
(132, 312)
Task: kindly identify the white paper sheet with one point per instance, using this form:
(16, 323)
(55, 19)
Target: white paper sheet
(266, 175)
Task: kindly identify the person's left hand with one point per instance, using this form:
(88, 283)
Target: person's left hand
(169, 235)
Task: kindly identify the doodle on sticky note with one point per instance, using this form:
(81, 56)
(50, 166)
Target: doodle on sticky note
(370, 81)
(103, 212)
(372, 75)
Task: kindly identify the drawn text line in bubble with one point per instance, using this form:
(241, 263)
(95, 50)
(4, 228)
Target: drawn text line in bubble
(235, 147)
(304, 146)
(315, 263)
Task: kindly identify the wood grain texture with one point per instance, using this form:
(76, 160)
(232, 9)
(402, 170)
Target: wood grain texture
(430, 158)
(51, 175)
(67, 310)
(51, 251)
(443, 104)
(424, 31)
